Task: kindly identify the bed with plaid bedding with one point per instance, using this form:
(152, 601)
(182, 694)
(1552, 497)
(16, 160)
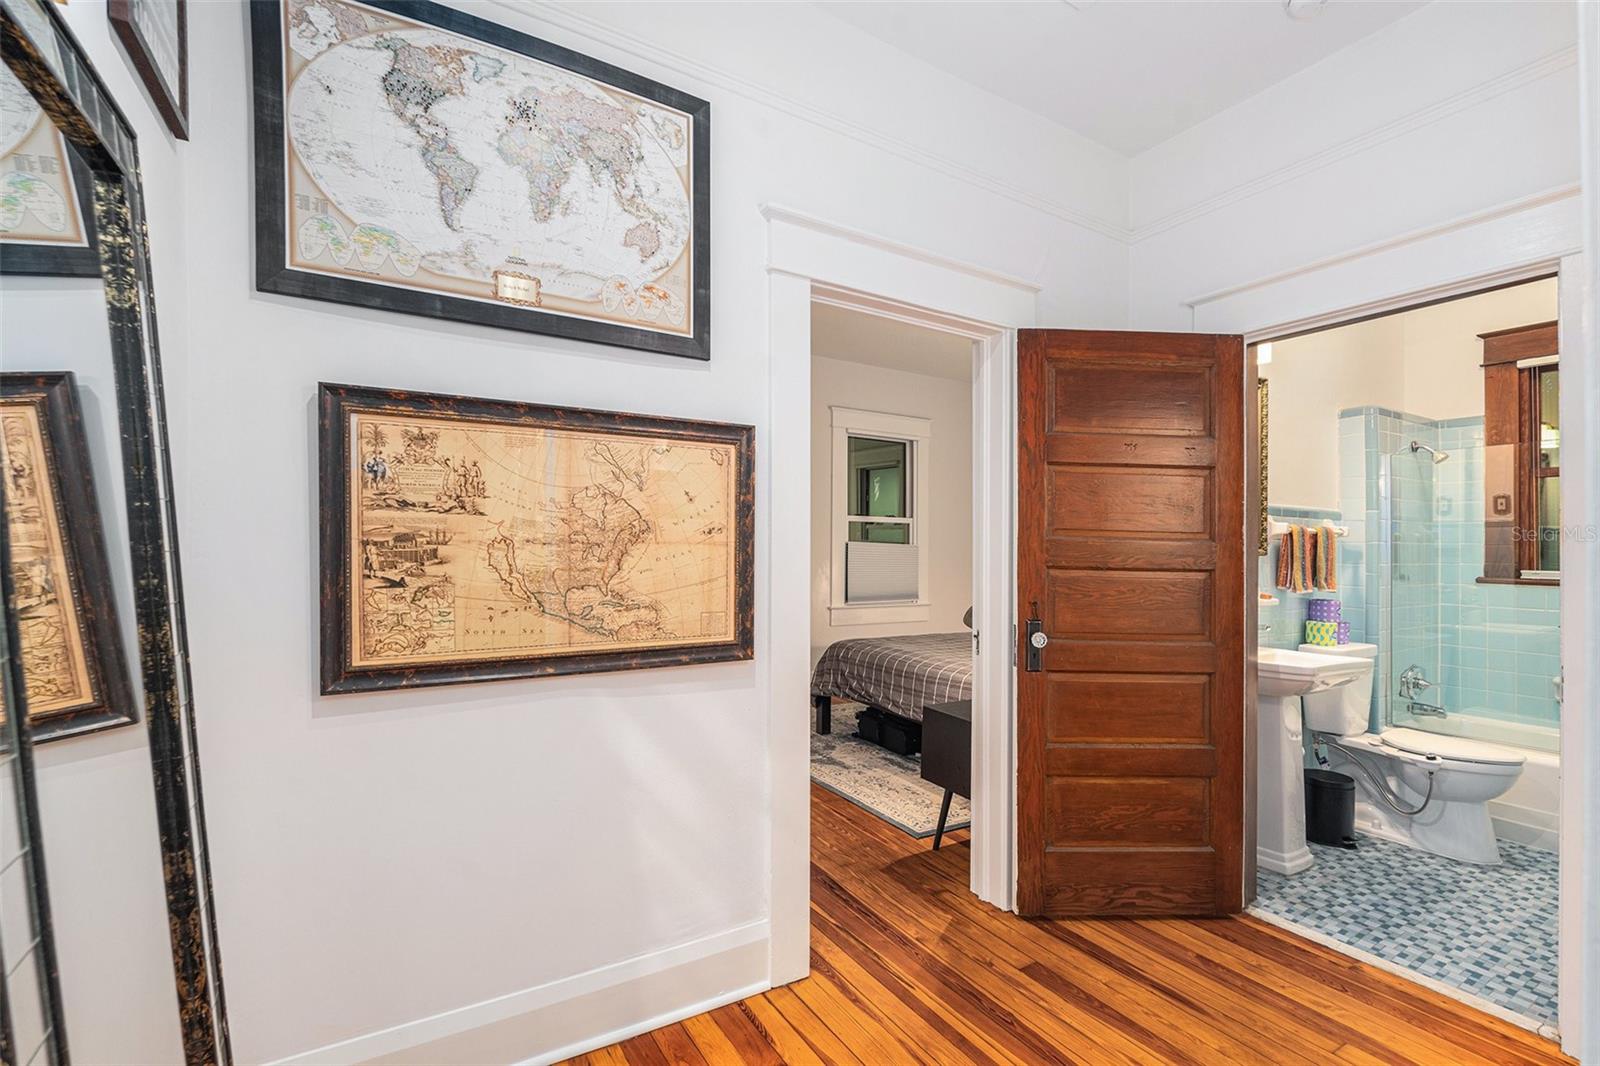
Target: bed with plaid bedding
(898, 674)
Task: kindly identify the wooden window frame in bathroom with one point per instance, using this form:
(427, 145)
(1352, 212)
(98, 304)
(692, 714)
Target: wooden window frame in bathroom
(1511, 417)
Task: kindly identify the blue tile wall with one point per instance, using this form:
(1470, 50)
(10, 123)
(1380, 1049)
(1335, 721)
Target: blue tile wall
(1409, 569)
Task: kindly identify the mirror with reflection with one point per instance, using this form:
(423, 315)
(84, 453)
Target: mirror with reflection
(102, 786)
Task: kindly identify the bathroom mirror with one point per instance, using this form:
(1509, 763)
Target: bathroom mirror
(94, 599)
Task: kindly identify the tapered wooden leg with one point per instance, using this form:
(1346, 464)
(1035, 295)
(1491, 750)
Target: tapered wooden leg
(824, 708)
(944, 813)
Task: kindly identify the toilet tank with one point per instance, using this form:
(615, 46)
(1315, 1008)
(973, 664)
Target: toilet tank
(1342, 711)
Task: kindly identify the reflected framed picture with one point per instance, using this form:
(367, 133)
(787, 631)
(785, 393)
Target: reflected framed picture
(479, 540)
(415, 158)
(46, 211)
(155, 34)
(73, 665)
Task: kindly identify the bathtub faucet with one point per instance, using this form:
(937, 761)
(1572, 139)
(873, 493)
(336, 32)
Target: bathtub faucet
(1413, 681)
(1426, 710)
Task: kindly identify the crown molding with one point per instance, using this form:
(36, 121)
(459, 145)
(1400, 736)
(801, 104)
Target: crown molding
(1539, 69)
(573, 21)
(582, 25)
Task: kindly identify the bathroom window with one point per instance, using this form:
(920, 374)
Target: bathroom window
(1545, 391)
(880, 502)
(1522, 455)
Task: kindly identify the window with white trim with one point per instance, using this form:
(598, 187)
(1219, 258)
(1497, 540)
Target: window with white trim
(880, 505)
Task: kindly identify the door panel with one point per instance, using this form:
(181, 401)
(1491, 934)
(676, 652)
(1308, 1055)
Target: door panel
(1131, 548)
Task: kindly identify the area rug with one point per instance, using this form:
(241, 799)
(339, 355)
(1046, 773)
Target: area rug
(877, 780)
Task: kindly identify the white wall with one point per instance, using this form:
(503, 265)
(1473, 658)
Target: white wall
(1453, 110)
(383, 858)
(948, 465)
(97, 803)
(1425, 362)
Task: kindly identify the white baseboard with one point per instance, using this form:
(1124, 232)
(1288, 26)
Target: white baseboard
(565, 1017)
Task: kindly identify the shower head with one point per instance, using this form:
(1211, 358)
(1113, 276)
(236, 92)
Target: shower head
(1438, 456)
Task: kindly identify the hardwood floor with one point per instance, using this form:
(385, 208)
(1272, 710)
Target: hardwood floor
(948, 979)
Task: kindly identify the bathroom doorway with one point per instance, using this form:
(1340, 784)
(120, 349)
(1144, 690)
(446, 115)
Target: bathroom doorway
(1412, 476)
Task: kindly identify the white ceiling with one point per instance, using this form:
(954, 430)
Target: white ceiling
(1129, 73)
(856, 337)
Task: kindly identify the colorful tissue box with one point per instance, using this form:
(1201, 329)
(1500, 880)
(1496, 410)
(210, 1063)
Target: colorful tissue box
(1324, 611)
(1344, 632)
(1324, 634)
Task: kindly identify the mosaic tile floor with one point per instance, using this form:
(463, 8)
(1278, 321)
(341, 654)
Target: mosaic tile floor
(1489, 930)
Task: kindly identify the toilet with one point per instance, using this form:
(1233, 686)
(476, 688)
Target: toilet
(1466, 774)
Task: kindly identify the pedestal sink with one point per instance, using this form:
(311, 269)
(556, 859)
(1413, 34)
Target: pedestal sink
(1282, 678)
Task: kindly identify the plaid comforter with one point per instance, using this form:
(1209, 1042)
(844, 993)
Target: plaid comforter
(899, 674)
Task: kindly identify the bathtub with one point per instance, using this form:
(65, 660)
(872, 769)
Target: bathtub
(1530, 812)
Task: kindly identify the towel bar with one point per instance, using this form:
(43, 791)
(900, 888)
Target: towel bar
(1277, 529)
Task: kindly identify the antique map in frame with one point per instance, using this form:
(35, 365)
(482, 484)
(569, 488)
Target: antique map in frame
(72, 662)
(44, 193)
(416, 158)
(470, 540)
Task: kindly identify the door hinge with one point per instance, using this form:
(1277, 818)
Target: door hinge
(1559, 683)
(977, 642)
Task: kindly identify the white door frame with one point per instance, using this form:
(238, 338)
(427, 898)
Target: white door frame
(812, 259)
(1518, 241)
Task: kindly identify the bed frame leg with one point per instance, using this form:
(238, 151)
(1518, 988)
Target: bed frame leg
(824, 709)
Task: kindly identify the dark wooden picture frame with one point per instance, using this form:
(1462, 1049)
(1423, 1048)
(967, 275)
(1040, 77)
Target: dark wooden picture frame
(66, 464)
(171, 101)
(58, 260)
(338, 403)
(274, 275)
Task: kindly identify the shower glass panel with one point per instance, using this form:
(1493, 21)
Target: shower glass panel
(1415, 671)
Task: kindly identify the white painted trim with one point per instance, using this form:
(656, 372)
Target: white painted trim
(708, 971)
(1579, 990)
(807, 257)
(787, 500)
(1521, 240)
(1461, 995)
(877, 614)
(1466, 222)
(993, 868)
(802, 220)
(1537, 70)
(1514, 243)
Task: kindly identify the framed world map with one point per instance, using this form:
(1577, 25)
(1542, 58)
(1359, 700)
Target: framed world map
(476, 540)
(415, 158)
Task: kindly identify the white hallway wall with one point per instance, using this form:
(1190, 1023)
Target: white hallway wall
(948, 403)
(383, 858)
(1455, 109)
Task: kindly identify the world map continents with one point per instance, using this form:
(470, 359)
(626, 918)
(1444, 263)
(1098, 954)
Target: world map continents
(429, 160)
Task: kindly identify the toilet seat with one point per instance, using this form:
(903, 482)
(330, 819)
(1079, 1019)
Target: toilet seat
(1452, 749)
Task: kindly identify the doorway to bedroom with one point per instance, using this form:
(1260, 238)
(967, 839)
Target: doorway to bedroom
(892, 637)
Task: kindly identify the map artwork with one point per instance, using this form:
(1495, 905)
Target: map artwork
(73, 681)
(527, 538)
(429, 154)
(38, 203)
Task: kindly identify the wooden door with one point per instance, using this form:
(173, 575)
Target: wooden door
(1131, 549)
